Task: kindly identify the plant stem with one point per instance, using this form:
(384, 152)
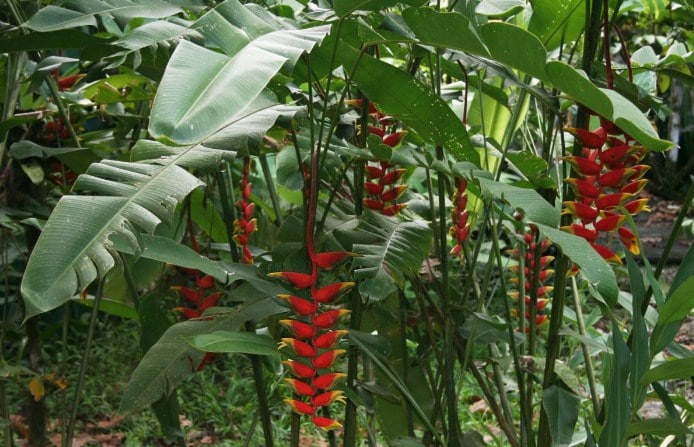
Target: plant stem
(584, 348)
(5, 415)
(260, 390)
(553, 342)
(274, 198)
(226, 194)
(67, 441)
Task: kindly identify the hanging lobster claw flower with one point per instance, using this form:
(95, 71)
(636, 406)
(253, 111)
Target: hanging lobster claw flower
(301, 388)
(372, 188)
(393, 193)
(373, 172)
(613, 200)
(373, 204)
(610, 222)
(616, 178)
(634, 187)
(394, 139)
(300, 329)
(394, 209)
(327, 359)
(584, 166)
(629, 240)
(592, 140)
(329, 293)
(328, 340)
(300, 348)
(581, 211)
(301, 407)
(581, 231)
(607, 254)
(326, 424)
(327, 381)
(636, 206)
(299, 369)
(299, 305)
(298, 280)
(328, 397)
(392, 176)
(188, 313)
(329, 259)
(189, 294)
(583, 188)
(329, 318)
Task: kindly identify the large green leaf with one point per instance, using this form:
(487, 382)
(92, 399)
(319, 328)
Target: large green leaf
(196, 100)
(75, 246)
(80, 13)
(670, 370)
(535, 208)
(593, 267)
(561, 407)
(670, 315)
(398, 249)
(512, 45)
(64, 39)
(235, 341)
(414, 104)
(554, 21)
(172, 358)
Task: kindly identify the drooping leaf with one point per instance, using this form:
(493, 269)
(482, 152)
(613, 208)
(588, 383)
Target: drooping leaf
(512, 45)
(75, 247)
(561, 407)
(535, 208)
(235, 341)
(554, 21)
(593, 267)
(81, 13)
(64, 39)
(444, 30)
(670, 370)
(172, 358)
(398, 249)
(411, 102)
(670, 315)
(657, 427)
(345, 7)
(499, 9)
(196, 100)
(617, 403)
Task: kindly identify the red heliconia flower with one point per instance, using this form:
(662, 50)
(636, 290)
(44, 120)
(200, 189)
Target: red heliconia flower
(328, 340)
(298, 280)
(328, 397)
(301, 388)
(329, 293)
(299, 329)
(329, 259)
(299, 369)
(301, 407)
(327, 381)
(534, 276)
(245, 225)
(205, 282)
(382, 191)
(300, 348)
(326, 359)
(329, 318)
(460, 230)
(299, 305)
(608, 178)
(326, 424)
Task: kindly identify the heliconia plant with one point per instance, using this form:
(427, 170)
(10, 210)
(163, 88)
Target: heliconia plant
(373, 245)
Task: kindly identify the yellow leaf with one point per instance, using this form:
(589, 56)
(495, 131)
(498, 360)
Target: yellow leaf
(36, 388)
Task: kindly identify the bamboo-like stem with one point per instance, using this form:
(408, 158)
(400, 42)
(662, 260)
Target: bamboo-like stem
(260, 391)
(274, 198)
(67, 440)
(226, 194)
(590, 372)
(553, 342)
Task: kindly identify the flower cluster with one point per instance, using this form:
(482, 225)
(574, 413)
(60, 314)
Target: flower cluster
(245, 225)
(609, 175)
(535, 276)
(460, 230)
(314, 340)
(382, 190)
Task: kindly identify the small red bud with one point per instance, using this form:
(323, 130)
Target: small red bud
(299, 329)
(298, 280)
(329, 339)
(327, 398)
(330, 318)
(299, 305)
(299, 369)
(327, 359)
(326, 424)
(327, 381)
(300, 387)
(301, 407)
(328, 293)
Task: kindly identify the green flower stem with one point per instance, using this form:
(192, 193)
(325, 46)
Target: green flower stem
(5, 414)
(260, 391)
(269, 182)
(553, 342)
(584, 348)
(226, 194)
(67, 440)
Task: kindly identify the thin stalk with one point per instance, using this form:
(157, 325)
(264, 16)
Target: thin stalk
(295, 433)
(5, 414)
(260, 391)
(226, 194)
(63, 368)
(274, 198)
(553, 342)
(499, 382)
(67, 440)
(402, 307)
(590, 372)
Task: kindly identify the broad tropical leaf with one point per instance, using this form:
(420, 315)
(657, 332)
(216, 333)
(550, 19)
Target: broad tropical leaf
(554, 21)
(172, 358)
(75, 246)
(78, 13)
(196, 100)
(399, 249)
